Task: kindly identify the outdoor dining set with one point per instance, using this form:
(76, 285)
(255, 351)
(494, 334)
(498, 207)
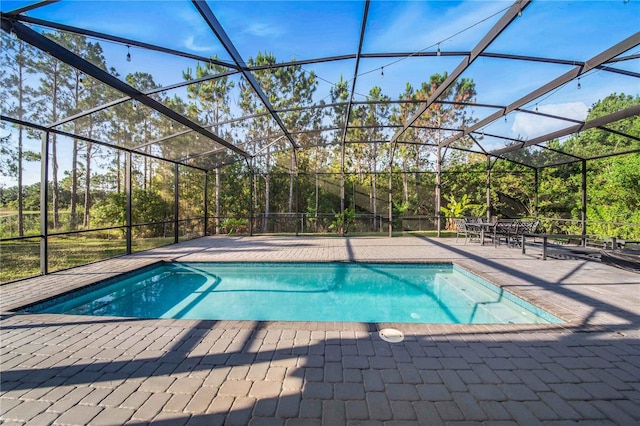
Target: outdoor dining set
(508, 230)
(520, 232)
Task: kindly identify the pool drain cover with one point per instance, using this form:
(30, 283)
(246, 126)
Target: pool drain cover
(391, 335)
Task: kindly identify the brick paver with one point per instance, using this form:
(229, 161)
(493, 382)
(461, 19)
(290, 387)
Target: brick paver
(78, 415)
(86, 370)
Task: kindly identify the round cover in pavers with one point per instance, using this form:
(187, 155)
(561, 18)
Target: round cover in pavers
(391, 335)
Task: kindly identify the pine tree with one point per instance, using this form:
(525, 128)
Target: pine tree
(17, 98)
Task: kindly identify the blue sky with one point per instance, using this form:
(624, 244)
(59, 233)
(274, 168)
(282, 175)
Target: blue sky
(308, 29)
(574, 30)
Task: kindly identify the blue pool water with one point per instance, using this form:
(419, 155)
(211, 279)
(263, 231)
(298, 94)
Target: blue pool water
(346, 292)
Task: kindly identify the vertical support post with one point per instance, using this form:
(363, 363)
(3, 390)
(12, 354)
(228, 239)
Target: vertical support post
(317, 200)
(342, 187)
(44, 205)
(251, 179)
(293, 186)
(206, 203)
(217, 228)
(584, 202)
(295, 201)
(375, 191)
(127, 191)
(489, 212)
(537, 191)
(390, 202)
(353, 193)
(176, 206)
(438, 199)
(391, 154)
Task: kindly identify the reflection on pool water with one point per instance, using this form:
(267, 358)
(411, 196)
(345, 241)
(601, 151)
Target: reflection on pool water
(344, 292)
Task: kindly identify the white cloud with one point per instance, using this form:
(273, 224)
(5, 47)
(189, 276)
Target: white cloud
(418, 25)
(190, 44)
(259, 29)
(527, 126)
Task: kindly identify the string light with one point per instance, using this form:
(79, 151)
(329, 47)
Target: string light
(128, 54)
(438, 52)
(536, 107)
(12, 32)
(519, 13)
(579, 85)
(382, 72)
(134, 105)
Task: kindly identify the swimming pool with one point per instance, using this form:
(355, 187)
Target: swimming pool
(345, 292)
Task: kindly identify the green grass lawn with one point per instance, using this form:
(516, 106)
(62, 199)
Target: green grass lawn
(21, 259)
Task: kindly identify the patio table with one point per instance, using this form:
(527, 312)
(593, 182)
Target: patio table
(482, 227)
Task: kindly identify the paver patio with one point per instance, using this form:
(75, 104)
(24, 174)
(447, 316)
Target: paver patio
(62, 369)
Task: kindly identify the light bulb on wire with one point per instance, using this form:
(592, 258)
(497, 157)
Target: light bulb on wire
(382, 72)
(12, 32)
(438, 52)
(128, 54)
(579, 85)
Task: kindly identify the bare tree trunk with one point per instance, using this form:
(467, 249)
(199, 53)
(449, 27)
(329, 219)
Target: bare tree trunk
(20, 198)
(217, 200)
(74, 183)
(144, 172)
(55, 192)
(371, 194)
(87, 188)
(255, 190)
(118, 171)
(375, 200)
(267, 190)
(291, 167)
(20, 131)
(405, 182)
(74, 162)
(54, 157)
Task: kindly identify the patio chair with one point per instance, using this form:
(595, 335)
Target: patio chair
(462, 229)
(525, 227)
(506, 229)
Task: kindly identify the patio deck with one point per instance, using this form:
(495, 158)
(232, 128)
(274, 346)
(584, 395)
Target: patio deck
(60, 369)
